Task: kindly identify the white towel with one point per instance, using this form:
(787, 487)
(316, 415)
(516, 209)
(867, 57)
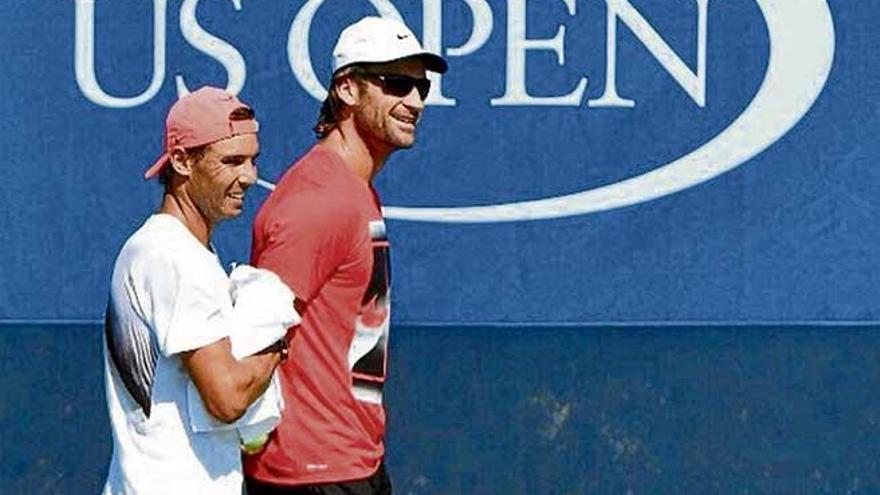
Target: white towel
(262, 313)
(262, 310)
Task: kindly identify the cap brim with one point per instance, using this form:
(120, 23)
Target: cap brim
(158, 166)
(433, 63)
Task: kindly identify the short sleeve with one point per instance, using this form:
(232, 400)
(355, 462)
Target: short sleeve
(304, 242)
(186, 301)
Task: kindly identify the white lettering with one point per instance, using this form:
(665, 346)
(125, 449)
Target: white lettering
(694, 84)
(84, 57)
(298, 55)
(432, 21)
(517, 45)
(216, 48)
(800, 60)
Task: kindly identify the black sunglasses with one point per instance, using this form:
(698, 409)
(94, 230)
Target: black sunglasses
(400, 86)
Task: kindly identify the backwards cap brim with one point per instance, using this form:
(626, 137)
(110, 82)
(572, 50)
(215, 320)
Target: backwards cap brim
(157, 167)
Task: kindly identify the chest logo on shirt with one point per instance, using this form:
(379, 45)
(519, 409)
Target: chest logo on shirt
(368, 353)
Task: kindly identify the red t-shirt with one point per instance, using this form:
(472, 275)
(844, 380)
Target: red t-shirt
(321, 231)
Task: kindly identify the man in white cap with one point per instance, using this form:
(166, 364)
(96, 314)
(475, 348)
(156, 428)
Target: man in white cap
(168, 351)
(322, 232)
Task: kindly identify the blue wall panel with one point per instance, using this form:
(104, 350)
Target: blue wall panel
(549, 410)
(789, 234)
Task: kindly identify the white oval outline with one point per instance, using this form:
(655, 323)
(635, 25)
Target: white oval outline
(801, 55)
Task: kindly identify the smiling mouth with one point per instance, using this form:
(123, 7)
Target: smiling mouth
(406, 120)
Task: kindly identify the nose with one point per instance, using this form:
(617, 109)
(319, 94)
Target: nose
(248, 175)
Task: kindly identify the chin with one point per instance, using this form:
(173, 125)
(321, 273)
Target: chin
(232, 213)
(403, 142)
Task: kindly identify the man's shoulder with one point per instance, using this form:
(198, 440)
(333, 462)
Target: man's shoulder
(315, 188)
(319, 172)
(158, 237)
(159, 245)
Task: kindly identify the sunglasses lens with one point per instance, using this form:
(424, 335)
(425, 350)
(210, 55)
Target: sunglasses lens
(402, 85)
(424, 87)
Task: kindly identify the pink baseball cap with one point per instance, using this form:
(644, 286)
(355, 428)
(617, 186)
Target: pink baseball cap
(199, 118)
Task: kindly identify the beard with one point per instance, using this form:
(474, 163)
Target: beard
(383, 130)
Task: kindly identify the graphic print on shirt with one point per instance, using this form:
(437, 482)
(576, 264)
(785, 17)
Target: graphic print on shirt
(133, 351)
(368, 353)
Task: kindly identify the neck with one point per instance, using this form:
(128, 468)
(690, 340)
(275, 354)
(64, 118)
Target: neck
(363, 159)
(179, 205)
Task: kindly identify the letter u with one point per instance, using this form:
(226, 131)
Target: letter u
(84, 57)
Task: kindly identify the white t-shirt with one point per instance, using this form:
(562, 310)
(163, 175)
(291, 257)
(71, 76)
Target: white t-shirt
(168, 294)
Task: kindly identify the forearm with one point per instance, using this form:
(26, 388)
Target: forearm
(235, 372)
(229, 386)
(258, 374)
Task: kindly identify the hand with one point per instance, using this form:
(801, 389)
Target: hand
(281, 347)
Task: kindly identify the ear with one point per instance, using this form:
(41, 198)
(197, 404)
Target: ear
(348, 90)
(181, 161)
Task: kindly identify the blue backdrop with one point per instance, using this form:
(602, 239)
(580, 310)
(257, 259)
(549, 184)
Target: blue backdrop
(787, 235)
(696, 167)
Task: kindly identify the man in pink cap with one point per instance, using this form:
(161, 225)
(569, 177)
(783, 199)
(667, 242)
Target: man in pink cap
(170, 314)
(322, 232)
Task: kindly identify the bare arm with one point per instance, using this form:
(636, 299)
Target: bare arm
(229, 386)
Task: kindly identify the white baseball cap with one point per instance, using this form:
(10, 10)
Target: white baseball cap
(378, 40)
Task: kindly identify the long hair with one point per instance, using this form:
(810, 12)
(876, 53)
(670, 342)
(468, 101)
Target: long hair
(331, 109)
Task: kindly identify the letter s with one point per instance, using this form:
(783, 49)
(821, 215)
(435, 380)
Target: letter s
(213, 46)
